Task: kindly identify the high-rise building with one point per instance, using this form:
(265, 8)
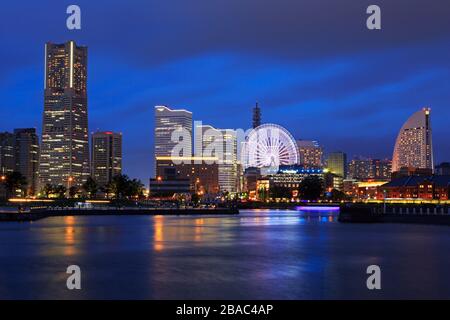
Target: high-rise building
(222, 144)
(64, 158)
(337, 163)
(106, 154)
(256, 116)
(166, 122)
(364, 169)
(26, 149)
(413, 147)
(7, 156)
(311, 154)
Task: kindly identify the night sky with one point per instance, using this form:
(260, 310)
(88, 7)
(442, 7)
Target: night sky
(313, 66)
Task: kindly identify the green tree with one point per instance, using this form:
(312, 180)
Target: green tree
(14, 181)
(280, 192)
(135, 188)
(60, 190)
(73, 190)
(90, 187)
(47, 190)
(311, 188)
(119, 186)
(336, 195)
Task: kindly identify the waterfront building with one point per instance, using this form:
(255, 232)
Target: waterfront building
(311, 154)
(443, 169)
(285, 183)
(220, 143)
(337, 164)
(417, 187)
(413, 147)
(106, 154)
(166, 187)
(26, 154)
(64, 156)
(202, 172)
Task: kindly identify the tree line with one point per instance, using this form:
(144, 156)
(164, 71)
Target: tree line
(120, 187)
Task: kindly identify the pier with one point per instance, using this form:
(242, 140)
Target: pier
(395, 213)
(41, 213)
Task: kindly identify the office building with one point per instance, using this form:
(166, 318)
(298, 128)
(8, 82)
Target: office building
(106, 154)
(26, 154)
(7, 154)
(220, 143)
(64, 157)
(365, 169)
(167, 121)
(337, 163)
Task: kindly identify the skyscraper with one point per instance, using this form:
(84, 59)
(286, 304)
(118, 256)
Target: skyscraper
(106, 154)
(26, 150)
(7, 160)
(64, 158)
(337, 163)
(256, 116)
(310, 154)
(214, 141)
(413, 147)
(166, 122)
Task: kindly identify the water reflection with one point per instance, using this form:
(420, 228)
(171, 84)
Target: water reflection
(256, 255)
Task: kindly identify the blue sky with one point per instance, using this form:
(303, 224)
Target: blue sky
(312, 65)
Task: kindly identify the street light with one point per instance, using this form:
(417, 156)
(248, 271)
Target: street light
(3, 178)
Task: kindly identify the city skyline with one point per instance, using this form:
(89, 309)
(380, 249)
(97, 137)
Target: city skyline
(348, 97)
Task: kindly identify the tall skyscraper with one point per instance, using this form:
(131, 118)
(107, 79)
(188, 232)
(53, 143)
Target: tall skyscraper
(337, 163)
(413, 147)
(311, 154)
(64, 158)
(26, 149)
(106, 154)
(213, 141)
(7, 156)
(166, 122)
(256, 116)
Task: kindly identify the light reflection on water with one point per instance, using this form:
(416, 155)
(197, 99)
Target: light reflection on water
(260, 254)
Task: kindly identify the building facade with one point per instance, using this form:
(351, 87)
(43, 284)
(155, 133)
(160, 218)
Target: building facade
(168, 121)
(222, 144)
(7, 154)
(64, 157)
(365, 169)
(26, 148)
(202, 172)
(417, 187)
(413, 147)
(337, 163)
(106, 154)
(311, 154)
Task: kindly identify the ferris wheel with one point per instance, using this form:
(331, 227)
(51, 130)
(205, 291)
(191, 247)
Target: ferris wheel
(270, 145)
